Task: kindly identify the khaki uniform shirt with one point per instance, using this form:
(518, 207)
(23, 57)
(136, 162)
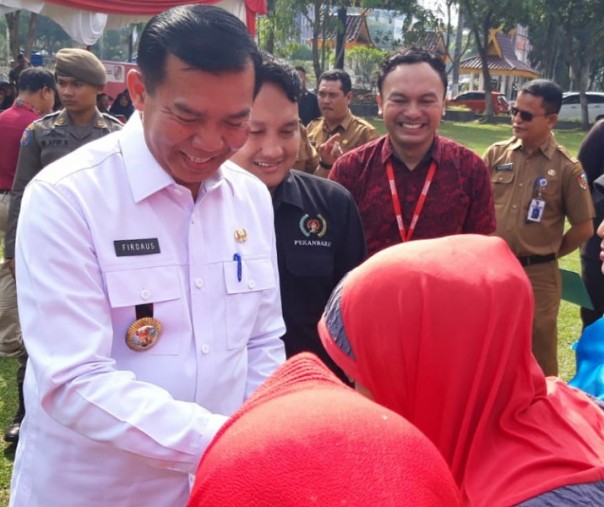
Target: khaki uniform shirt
(308, 157)
(354, 132)
(43, 142)
(550, 174)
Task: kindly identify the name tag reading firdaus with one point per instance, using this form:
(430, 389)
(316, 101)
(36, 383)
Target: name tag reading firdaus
(127, 247)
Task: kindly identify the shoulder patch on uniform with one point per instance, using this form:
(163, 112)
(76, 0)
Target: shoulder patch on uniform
(27, 136)
(582, 179)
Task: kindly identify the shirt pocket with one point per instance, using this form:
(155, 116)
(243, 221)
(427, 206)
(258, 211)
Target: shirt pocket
(310, 265)
(159, 286)
(246, 282)
(501, 181)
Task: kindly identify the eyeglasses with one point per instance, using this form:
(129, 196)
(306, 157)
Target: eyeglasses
(525, 115)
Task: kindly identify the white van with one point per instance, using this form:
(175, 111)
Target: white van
(571, 108)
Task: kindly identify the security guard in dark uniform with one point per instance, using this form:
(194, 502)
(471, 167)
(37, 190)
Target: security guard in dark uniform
(80, 76)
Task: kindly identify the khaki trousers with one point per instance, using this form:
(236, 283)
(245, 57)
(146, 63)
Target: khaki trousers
(547, 288)
(11, 341)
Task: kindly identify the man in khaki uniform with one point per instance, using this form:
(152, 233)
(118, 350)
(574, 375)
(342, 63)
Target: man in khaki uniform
(80, 76)
(338, 130)
(536, 185)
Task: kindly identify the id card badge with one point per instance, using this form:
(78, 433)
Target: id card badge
(535, 211)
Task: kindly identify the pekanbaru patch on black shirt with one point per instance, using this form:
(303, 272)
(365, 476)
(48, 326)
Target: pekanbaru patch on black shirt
(319, 239)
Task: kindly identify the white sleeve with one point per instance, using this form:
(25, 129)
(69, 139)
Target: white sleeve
(68, 334)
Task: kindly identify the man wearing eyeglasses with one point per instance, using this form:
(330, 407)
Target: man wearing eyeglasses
(537, 184)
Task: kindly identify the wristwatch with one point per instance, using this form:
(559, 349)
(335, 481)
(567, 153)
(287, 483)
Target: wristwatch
(324, 164)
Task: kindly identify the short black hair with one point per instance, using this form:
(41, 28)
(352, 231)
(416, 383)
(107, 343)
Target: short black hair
(337, 75)
(281, 74)
(206, 37)
(548, 90)
(34, 79)
(409, 57)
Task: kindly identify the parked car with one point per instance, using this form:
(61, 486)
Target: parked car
(571, 108)
(475, 101)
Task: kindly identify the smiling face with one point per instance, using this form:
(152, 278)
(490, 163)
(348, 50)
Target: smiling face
(272, 147)
(194, 120)
(412, 105)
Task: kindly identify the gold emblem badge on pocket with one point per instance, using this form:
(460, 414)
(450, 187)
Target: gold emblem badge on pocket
(143, 334)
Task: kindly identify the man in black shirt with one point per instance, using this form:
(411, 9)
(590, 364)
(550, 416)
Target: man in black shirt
(318, 227)
(308, 104)
(591, 156)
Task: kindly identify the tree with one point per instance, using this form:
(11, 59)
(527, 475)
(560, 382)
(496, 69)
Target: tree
(365, 62)
(582, 24)
(482, 16)
(276, 30)
(12, 24)
(50, 37)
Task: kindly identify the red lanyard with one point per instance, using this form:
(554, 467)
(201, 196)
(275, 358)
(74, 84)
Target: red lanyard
(419, 206)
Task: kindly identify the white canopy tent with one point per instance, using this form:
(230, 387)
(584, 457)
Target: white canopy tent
(86, 26)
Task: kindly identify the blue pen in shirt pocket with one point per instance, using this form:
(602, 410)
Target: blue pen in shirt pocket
(237, 257)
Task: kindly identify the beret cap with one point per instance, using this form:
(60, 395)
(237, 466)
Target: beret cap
(80, 64)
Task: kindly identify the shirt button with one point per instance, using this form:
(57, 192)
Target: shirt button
(205, 348)
(514, 206)
(145, 294)
(193, 219)
(520, 184)
(251, 284)
(198, 283)
(500, 178)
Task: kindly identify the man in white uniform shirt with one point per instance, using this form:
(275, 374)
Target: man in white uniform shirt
(148, 286)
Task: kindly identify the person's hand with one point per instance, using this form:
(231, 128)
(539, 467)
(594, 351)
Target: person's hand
(330, 150)
(11, 266)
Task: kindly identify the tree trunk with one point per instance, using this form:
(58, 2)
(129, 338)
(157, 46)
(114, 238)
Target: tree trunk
(341, 37)
(551, 50)
(481, 44)
(457, 52)
(12, 22)
(324, 22)
(316, 33)
(31, 34)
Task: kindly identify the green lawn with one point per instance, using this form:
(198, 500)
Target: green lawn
(479, 137)
(476, 136)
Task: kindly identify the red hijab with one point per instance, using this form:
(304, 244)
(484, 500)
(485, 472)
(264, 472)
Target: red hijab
(440, 332)
(305, 439)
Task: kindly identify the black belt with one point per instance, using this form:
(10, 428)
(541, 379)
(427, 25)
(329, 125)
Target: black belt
(4, 192)
(529, 260)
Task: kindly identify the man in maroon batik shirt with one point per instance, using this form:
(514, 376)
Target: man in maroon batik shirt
(36, 97)
(438, 187)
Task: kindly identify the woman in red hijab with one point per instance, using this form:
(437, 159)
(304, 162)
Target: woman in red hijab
(305, 439)
(439, 331)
